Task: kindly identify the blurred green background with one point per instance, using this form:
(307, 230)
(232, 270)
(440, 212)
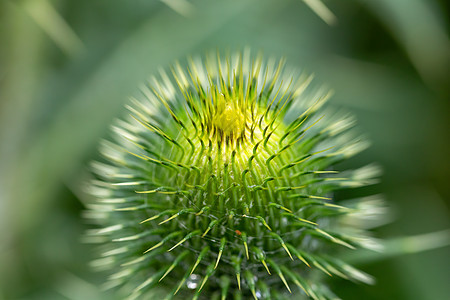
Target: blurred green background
(67, 68)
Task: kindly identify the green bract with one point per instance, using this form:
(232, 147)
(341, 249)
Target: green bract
(220, 184)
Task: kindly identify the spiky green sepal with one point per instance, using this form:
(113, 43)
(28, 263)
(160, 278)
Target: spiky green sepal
(221, 183)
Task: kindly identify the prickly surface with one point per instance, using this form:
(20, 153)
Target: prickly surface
(220, 184)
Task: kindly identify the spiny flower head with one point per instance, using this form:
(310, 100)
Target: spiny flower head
(220, 184)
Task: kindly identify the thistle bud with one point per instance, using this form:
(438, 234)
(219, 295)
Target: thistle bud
(220, 183)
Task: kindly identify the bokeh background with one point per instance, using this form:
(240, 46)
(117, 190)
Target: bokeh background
(67, 68)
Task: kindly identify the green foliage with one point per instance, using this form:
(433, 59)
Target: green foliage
(66, 67)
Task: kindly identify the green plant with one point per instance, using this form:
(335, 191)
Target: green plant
(221, 182)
